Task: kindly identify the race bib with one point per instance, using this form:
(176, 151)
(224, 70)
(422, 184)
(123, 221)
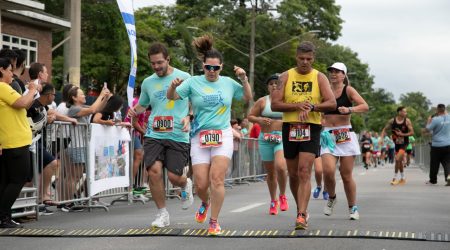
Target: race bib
(366, 146)
(272, 138)
(400, 140)
(210, 138)
(299, 132)
(163, 124)
(342, 135)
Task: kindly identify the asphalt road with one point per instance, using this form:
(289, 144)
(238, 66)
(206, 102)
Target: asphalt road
(411, 216)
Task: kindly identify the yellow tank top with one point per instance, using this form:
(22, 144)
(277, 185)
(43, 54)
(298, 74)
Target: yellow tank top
(300, 88)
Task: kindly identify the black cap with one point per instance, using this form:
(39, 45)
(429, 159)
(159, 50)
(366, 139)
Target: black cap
(272, 77)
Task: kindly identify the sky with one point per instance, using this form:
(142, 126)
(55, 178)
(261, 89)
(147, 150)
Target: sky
(406, 43)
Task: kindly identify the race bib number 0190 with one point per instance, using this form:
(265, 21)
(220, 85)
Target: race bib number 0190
(299, 132)
(272, 138)
(342, 135)
(163, 124)
(210, 138)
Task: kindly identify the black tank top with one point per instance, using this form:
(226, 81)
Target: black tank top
(342, 101)
(403, 128)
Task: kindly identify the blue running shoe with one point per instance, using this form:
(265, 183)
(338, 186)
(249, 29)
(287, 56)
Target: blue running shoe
(325, 195)
(316, 192)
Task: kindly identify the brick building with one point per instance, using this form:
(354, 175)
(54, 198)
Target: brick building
(25, 25)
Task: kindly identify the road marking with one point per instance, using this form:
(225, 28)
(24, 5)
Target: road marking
(362, 173)
(251, 206)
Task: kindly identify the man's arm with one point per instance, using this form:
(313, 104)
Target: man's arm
(387, 126)
(328, 100)
(410, 128)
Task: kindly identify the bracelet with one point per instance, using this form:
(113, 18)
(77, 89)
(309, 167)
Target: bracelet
(350, 110)
(312, 107)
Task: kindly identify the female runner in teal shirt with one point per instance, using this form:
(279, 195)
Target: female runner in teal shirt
(211, 97)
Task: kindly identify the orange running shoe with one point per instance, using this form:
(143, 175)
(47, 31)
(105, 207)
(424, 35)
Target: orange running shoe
(273, 210)
(284, 206)
(402, 181)
(302, 222)
(394, 182)
(202, 212)
(214, 229)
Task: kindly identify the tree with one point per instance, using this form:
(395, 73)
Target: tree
(303, 15)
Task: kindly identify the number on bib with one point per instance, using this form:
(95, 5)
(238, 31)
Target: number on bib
(272, 138)
(299, 132)
(342, 135)
(163, 124)
(210, 138)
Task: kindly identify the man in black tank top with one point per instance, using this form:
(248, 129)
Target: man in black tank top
(401, 128)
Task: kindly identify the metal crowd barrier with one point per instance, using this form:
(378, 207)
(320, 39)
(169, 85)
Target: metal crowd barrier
(422, 155)
(246, 165)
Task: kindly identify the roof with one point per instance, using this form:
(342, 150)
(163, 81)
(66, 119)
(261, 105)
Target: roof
(32, 12)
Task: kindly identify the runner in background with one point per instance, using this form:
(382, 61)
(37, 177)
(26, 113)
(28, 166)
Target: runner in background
(271, 147)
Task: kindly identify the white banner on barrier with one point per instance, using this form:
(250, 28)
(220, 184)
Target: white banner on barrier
(109, 158)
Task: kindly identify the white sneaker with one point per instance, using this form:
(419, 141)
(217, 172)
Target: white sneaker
(162, 220)
(354, 215)
(328, 209)
(140, 197)
(187, 198)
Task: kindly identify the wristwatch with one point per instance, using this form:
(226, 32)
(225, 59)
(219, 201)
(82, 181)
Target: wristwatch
(312, 107)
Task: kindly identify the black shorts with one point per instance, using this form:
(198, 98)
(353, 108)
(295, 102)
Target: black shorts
(292, 148)
(16, 165)
(398, 147)
(409, 151)
(56, 146)
(44, 157)
(365, 150)
(173, 155)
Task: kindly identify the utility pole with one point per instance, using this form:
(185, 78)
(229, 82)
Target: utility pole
(252, 52)
(66, 45)
(75, 42)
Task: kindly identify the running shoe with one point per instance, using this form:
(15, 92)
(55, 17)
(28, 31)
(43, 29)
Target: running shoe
(328, 209)
(162, 220)
(394, 182)
(214, 229)
(200, 215)
(9, 223)
(402, 181)
(187, 198)
(325, 195)
(273, 210)
(354, 214)
(43, 210)
(301, 223)
(284, 206)
(317, 192)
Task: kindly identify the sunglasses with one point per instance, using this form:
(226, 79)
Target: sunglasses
(212, 67)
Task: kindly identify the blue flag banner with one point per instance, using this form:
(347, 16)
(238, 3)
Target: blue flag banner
(126, 9)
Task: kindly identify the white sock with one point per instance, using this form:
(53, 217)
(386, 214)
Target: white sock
(396, 176)
(163, 210)
(402, 175)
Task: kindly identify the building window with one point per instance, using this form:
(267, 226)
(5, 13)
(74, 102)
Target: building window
(28, 46)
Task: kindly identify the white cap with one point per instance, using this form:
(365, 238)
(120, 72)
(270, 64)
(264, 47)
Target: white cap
(339, 66)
